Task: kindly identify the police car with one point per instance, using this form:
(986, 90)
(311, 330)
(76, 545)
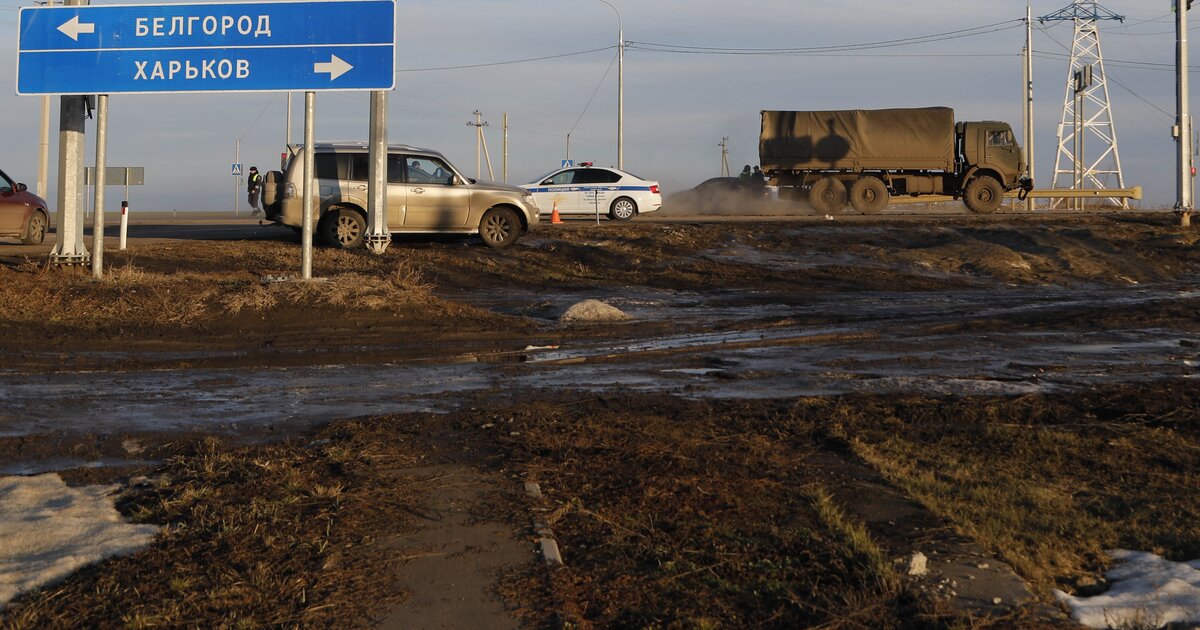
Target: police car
(587, 190)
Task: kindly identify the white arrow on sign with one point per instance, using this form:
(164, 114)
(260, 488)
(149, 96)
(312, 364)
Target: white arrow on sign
(336, 67)
(73, 28)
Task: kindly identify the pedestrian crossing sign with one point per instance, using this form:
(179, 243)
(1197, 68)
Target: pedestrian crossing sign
(237, 169)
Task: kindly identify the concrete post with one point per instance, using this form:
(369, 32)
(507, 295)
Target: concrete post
(1028, 110)
(1184, 204)
(70, 249)
(44, 152)
(378, 237)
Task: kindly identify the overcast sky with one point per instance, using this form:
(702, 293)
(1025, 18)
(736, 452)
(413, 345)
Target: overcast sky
(677, 106)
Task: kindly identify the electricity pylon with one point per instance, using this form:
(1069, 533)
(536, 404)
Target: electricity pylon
(1087, 125)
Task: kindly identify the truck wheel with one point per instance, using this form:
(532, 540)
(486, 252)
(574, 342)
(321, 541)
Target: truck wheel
(983, 195)
(342, 228)
(869, 195)
(828, 195)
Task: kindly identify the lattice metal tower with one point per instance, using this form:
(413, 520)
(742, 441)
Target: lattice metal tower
(1098, 131)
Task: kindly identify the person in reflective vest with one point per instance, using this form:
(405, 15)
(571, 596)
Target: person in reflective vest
(253, 188)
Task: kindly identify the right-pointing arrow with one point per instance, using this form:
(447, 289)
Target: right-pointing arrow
(336, 67)
(72, 28)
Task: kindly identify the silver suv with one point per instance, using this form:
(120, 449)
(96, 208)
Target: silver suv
(425, 194)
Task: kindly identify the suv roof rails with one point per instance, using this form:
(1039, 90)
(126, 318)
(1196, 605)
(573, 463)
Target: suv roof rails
(351, 145)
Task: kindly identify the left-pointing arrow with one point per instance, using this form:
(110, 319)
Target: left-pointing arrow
(336, 67)
(73, 28)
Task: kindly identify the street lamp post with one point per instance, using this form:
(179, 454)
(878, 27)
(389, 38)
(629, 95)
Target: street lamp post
(620, 86)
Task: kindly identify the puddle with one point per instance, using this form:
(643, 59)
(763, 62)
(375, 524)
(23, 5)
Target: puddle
(50, 465)
(882, 343)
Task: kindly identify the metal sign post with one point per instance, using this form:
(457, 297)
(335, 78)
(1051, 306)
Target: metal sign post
(101, 174)
(117, 176)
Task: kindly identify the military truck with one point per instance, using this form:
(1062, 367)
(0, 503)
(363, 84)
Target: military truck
(864, 157)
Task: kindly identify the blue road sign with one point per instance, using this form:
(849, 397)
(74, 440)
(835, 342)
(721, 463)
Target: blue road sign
(237, 168)
(235, 47)
(567, 163)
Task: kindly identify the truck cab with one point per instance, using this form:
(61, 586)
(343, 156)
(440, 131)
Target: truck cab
(990, 147)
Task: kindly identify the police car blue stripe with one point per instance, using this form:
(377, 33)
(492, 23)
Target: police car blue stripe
(544, 189)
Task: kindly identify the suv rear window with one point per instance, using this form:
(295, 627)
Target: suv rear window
(332, 165)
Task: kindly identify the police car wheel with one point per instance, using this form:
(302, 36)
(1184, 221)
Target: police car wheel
(622, 209)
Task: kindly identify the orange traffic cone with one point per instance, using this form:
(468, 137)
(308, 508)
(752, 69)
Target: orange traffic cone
(554, 218)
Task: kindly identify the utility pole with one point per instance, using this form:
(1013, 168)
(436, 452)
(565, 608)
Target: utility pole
(620, 86)
(1028, 111)
(43, 181)
(724, 156)
(44, 155)
(505, 147)
(1183, 121)
(568, 157)
(479, 124)
(237, 179)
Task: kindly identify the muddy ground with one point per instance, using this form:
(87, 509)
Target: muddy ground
(792, 409)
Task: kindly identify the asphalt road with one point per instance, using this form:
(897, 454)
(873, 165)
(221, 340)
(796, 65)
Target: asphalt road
(166, 226)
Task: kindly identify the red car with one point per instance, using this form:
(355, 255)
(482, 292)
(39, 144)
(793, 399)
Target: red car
(22, 213)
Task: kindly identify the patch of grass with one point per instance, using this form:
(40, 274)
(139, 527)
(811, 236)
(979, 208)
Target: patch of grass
(1048, 482)
(167, 286)
(856, 539)
(265, 536)
(695, 515)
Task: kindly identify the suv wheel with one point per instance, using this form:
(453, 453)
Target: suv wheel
(499, 228)
(343, 228)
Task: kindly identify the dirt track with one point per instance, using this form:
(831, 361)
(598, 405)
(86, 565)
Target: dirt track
(834, 330)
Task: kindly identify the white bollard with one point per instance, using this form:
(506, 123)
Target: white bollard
(124, 222)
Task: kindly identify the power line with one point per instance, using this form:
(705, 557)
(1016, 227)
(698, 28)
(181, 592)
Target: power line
(593, 97)
(256, 118)
(1140, 97)
(809, 50)
(506, 63)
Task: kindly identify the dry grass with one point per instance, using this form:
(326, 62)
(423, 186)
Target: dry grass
(269, 536)
(690, 515)
(188, 284)
(1048, 482)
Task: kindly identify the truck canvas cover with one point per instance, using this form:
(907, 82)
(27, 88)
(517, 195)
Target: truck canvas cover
(858, 139)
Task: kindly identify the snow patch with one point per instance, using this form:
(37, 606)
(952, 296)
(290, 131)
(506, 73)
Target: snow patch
(593, 311)
(48, 531)
(1147, 592)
